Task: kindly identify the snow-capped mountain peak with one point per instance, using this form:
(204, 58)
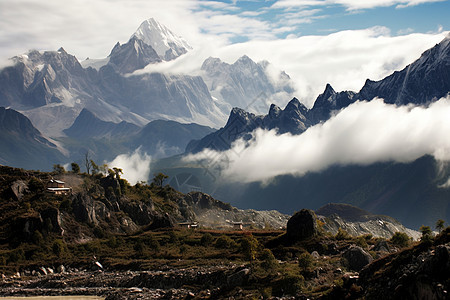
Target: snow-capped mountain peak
(159, 37)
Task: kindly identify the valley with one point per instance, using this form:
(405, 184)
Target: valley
(141, 176)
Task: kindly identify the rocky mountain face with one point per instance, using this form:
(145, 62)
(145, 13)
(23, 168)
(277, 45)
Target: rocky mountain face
(167, 45)
(22, 144)
(359, 222)
(421, 82)
(240, 124)
(87, 125)
(419, 272)
(54, 83)
(132, 56)
(245, 84)
(425, 80)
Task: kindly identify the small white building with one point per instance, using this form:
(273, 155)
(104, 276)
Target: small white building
(57, 187)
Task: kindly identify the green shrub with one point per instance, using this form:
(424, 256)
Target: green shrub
(361, 241)
(59, 247)
(427, 235)
(249, 247)
(305, 261)
(290, 284)
(37, 238)
(269, 262)
(342, 234)
(206, 239)
(224, 242)
(400, 239)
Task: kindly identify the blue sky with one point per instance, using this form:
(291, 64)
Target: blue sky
(324, 17)
(341, 42)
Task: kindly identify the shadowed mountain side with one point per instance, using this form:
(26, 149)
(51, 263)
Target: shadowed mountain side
(22, 145)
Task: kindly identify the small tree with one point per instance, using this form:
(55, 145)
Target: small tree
(159, 179)
(426, 233)
(95, 167)
(75, 168)
(87, 163)
(59, 169)
(249, 246)
(440, 225)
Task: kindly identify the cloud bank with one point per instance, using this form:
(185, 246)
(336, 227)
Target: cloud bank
(351, 4)
(364, 133)
(344, 59)
(135, 166)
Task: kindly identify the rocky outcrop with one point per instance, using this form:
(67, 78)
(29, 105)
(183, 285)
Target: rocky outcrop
(140, 213)
(358, 222)
(83, 208)
(420, 272)
(18, 189)
(162, 221)
(357, 258)
(302, 225)
(49, 219)
(204, 201)
(212, 213)
(52, 216)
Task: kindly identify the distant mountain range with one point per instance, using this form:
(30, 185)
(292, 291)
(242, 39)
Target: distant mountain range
(412, 193)
(58, 109)
(425, 80)
(93, 105)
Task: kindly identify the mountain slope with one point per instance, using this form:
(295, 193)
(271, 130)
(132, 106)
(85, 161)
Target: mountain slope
(165, 138)
(241, 123)
(22, 145)
(87, 125)
(246, 84)
(166, 44)
(425, 80)
(52, 87)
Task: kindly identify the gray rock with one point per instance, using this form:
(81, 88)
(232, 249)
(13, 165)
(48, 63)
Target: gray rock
(381, 246)
(315, 254)
(19, 188)
(61, 269)
(302, 225)
(357, 258)
(238, 278)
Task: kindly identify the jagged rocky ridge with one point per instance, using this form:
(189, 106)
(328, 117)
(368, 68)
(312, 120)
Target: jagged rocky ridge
(245, 83)
(358, 222)
(54, 83)
(425, 80)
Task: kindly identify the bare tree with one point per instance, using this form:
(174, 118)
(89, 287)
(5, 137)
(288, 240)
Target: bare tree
(87, 163)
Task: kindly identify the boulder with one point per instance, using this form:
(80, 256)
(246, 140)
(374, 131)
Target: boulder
(53, 217)
(302, 225)
(162, 221)
(381, 246)
(19, 188)
(140, 213)
(61, 269)
(357, 258)
(238, 278)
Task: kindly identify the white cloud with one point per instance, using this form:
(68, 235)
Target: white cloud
(350, 4)
(344, 59)
(361, 134)
(135, 166)
(91, 28)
